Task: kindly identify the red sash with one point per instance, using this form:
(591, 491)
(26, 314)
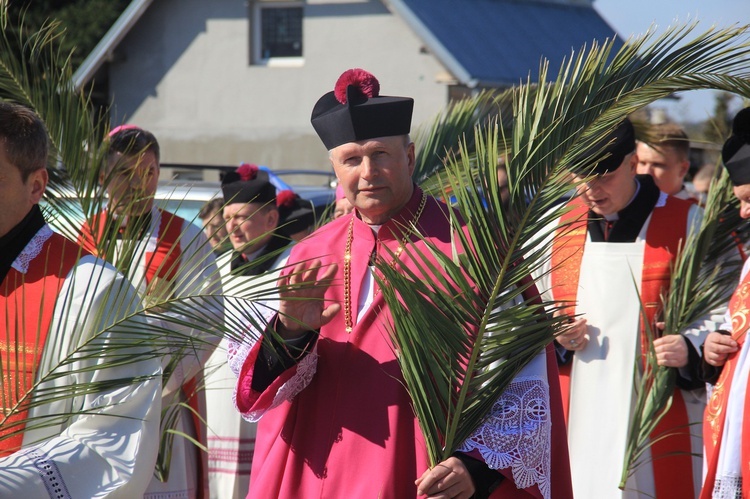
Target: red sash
(162, 263)
(27, 304)
(670, 448)
(715, 415)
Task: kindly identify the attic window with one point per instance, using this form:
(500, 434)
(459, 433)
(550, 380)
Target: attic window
(278, 29)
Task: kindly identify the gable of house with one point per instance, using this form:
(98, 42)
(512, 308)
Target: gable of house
(189, 70)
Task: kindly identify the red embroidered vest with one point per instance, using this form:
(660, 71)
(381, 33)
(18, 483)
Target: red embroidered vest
(162, 263)
(715, 415)
(666, 231)
(27, 305)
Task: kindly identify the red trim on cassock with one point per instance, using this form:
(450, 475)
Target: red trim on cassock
(671, 447)
(27, 306)
(715, 414)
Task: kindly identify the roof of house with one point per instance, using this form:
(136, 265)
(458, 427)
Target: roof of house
(106, 46)
(492, 43)
(483, 43)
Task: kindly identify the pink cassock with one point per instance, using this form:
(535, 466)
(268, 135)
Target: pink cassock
(340, 423)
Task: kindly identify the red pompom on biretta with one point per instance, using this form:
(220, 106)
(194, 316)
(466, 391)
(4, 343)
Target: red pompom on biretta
(285, 198)
(247, 171)
(365, 81)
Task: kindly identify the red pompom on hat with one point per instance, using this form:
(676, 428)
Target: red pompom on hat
(247, 171)
(365, 81)
(355, 111)
(285, 198)
(296, 214)
(248, 184)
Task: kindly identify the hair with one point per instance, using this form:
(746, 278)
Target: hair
(208, 209)
(705, 173)
(131, 141)
(25, 138)
(671, 135)
(406, 137)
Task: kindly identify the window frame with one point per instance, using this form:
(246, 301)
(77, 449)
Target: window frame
(256, 20)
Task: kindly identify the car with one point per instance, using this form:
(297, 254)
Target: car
(186, 198)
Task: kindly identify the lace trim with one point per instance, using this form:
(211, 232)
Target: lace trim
(306, 369)
(727, 487)
(236, 355)
(237, 352)
(50, 474)
(177, 494)
(32, 250)
(517, 434)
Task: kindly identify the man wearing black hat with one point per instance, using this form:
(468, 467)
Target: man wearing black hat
(337, 420)
(298, 215)
(724, 427)
(251, 218)
(621, 230)
(167, 258)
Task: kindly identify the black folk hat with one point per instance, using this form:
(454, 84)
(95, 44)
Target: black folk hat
(296, 214)
(248, 184)
(355, 110)
(736, 151)
(607, 154)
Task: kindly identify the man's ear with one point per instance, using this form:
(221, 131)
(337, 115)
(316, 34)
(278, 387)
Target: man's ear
(37, 181)
(273, 219)
(684, 167)
(411, 157)
(634, 164)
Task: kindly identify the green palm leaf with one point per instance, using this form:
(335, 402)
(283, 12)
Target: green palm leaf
(705, 273)
(461, 329)
(174, 329)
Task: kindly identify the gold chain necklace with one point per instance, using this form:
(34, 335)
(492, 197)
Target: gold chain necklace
(348, 261)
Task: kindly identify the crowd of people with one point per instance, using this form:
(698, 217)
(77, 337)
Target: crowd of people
(305, 398)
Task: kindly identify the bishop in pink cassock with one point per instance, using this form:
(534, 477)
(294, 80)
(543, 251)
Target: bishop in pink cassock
(335, 419)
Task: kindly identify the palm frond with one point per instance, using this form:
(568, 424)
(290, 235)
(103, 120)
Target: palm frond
(122, 332)
(439, 139)
(455, 319)
(703, 277)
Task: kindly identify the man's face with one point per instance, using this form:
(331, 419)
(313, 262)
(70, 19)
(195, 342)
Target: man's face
(131, 183)
(215, 228)
(250, 225)
(742, 192)
(607, 194)
(375, 175)
(16, 196)
(664, 164)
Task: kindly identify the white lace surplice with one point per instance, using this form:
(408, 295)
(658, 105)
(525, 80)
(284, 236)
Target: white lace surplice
(517, 433)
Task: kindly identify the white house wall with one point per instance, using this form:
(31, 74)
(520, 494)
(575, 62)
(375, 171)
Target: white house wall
(183, 73)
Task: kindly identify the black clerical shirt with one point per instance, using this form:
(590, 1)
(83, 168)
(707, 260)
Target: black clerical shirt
(631, 218)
